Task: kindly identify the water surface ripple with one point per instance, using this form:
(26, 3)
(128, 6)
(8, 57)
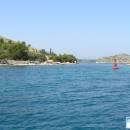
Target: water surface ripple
(71, 97)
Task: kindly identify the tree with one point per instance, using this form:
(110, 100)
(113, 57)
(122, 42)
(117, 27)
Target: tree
(18, 51)
(66, 58)
(1, 40)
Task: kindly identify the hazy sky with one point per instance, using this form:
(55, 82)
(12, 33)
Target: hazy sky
(85, 28)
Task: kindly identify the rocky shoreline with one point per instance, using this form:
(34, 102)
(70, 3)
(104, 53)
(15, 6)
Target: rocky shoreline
(30, 63)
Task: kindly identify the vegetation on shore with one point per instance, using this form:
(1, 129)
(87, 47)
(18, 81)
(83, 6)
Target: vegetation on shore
(16, 50)
(121, 58)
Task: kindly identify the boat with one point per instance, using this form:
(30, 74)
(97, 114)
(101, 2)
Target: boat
(115, 67)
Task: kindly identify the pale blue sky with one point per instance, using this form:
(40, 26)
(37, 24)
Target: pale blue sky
(85, 28)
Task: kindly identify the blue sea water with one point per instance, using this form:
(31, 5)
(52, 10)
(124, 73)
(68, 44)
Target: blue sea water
(69, 97)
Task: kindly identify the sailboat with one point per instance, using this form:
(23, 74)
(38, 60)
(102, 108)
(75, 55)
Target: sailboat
(115, 67)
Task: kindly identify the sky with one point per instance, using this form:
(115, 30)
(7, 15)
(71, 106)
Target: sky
(88, 29)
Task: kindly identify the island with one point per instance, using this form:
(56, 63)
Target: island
(20, 53)
(121, 58)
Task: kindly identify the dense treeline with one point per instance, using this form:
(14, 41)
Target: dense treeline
(63, 58)
(12, 50)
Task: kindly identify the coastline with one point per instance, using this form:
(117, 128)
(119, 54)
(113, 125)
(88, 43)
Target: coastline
(32, 63)
(112, 63)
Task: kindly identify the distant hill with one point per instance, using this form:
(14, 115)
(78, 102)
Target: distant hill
(121, 58)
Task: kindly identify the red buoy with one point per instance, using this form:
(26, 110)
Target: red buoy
(115, 67)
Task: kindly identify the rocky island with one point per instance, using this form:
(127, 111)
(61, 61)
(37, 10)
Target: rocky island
(121, 58)
(20, 53)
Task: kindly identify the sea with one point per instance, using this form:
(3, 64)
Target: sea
(64, 97)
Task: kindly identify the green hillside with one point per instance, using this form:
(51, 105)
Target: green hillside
(17, 50)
